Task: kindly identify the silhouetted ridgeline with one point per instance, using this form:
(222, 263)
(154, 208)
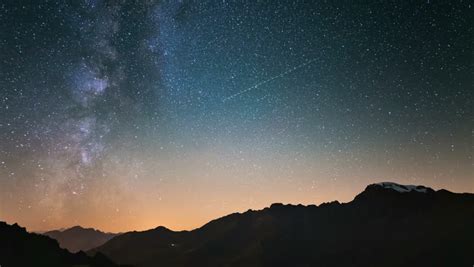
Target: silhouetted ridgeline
(385, 225)
(19, 248)
(77, 238)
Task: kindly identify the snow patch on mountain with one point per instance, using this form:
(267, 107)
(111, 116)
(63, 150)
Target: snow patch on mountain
(404, 188)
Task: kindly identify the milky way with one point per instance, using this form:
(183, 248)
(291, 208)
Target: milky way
(126, 115)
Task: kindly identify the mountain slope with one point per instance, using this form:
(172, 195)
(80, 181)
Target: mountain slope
(20, 248)
(77, 238)
(385, 225)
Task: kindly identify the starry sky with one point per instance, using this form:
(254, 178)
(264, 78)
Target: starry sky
(125, 115)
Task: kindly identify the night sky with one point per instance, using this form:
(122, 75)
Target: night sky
(126, 115)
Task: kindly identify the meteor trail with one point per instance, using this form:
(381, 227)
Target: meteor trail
(281, 75)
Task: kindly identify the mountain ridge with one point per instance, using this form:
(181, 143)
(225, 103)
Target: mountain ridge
(19, 248)
(78, 238)
(378, 222)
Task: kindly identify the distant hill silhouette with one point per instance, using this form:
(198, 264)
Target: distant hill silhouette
(385, 225)
(18, 248)
(77, 238)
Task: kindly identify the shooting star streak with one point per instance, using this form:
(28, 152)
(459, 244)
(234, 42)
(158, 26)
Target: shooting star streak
(281, 75)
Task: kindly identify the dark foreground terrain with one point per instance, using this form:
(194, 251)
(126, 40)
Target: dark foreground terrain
(19, 248)
(385, 225)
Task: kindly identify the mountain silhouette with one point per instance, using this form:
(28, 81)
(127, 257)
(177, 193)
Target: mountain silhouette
(386, 225)
(18, 248)
(77, 238)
